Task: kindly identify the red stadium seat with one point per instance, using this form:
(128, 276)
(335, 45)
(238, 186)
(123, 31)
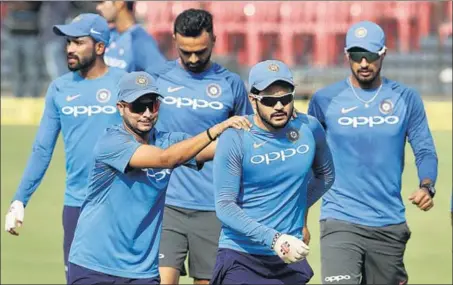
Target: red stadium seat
(229, 20)
(262, 23)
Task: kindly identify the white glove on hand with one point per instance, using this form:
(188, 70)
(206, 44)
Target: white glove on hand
(15, 217)
(291, 249)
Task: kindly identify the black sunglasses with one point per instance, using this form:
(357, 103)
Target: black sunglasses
(271, 101)
(358, 55)
(140, 107)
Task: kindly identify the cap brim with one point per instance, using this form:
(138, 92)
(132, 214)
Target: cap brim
(266, 83)
(69, 31)
(367, 46)
(134, 96)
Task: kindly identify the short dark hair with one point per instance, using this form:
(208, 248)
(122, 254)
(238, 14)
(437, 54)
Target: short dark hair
(130, 5)
(192, 22)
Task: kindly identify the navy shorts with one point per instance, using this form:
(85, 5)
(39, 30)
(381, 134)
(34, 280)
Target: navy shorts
(81, 275)
(70, 218)
(234, 267)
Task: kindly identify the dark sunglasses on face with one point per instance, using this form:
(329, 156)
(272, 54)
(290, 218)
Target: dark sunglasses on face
(140, 107)
(357, 56)
(271, 101)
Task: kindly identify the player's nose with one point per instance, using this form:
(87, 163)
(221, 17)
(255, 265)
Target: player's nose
(279, 106)
(193, 58)
(364, 62)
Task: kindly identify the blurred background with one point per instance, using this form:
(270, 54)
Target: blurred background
(309, 36)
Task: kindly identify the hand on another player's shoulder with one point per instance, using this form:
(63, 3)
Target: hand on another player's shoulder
(14, 217)
(237, 122)
(422, 199)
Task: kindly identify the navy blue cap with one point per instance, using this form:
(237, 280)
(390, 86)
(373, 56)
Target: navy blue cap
(88, 24)
(136, 84)
(366, 35)
(267, 72)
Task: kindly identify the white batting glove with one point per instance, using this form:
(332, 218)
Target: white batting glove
(290, 249)
(15, 217)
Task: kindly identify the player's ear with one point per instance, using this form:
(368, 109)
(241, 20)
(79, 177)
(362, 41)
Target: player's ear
(252, 102)
(120, 108)
(99, 48)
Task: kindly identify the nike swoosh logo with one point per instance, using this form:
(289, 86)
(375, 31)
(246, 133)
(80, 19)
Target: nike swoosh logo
(174, 89)
(94, 31)
(70, 98)
(347, 110)
(258, 145)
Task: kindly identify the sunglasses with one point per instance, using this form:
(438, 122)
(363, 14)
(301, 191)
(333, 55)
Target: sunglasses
(370, 57)
(140, 107)
(271, 101)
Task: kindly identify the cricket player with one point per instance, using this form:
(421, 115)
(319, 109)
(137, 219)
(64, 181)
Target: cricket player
(118, 234)
(80, 104)
(197, 93)
(368, 119)
(131, 48)
(261, 179)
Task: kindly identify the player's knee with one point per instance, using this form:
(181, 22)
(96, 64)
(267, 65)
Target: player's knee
(169, 275)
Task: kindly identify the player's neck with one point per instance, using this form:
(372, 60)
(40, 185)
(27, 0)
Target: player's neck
(373, 85)
(98, 69)
(124, 22)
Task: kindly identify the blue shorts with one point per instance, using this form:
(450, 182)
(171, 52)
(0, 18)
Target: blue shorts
(81, 275)
(234, 267)
(70, 218)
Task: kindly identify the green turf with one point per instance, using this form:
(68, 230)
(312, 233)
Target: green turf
(36, 255)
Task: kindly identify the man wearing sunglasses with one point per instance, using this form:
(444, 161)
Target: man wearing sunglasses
(368, 119)
(263, 188)
(80, 104)
(118, 235)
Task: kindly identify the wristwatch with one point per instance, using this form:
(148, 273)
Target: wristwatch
(430, 188)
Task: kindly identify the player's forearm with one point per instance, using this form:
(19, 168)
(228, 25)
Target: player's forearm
(427, 167)
(34, 172)
(323, 177)
(207, 153)
(43, 147)
(231, 215)
(185, 150)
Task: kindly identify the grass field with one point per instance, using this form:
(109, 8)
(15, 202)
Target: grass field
(36, 255)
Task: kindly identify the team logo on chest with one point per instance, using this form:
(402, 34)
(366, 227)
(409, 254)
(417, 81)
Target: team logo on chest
(103, 95)
(213, 90)
(386, 107)
(293, 135)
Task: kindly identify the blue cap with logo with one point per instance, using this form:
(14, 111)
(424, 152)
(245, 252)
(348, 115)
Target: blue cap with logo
(136, 84)
(366, 35)
(267, 72)
(88, 24)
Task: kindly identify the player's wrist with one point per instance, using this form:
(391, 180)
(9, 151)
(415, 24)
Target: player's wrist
(428, 187)
(274, 239)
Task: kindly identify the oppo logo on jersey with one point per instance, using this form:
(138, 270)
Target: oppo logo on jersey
(157, 175)
(371, 121)
(282, 155)
(192, 103)
(114, 62)
(87, 110)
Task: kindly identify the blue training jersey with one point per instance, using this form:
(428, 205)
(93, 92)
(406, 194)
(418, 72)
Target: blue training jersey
(368, 144)
(118, 232)
(133, 50)
(81, 109)
(261, 180)
(193, 103)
